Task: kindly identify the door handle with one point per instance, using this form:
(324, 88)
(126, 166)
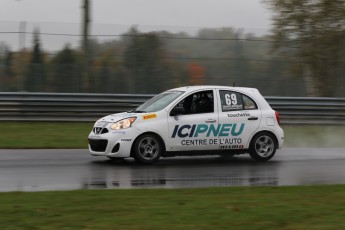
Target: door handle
(253, 118)
(210, 121)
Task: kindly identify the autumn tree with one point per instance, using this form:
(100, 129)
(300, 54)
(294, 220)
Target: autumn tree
(196, 74)
(312, 33)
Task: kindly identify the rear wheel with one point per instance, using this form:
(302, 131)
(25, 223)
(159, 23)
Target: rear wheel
(263, 146)
(147, 149)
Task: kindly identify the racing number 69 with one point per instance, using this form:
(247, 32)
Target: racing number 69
(230, 99)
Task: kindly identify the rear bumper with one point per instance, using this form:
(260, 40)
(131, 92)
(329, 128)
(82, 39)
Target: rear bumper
(280, 137)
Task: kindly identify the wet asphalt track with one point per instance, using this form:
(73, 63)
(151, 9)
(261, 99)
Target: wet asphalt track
(42, 170)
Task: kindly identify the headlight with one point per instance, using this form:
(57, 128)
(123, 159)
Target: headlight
(123, 124)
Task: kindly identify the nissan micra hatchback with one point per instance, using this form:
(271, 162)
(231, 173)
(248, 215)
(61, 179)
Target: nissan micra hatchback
(196, 120)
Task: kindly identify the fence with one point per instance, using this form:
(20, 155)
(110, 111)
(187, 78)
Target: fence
(90, 107)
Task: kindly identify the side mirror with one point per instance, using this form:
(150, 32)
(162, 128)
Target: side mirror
(176, 111)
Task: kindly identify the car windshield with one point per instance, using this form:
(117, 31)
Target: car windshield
(158, 102)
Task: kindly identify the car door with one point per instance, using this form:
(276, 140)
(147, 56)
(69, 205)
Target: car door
(239, 116)
(191, 129)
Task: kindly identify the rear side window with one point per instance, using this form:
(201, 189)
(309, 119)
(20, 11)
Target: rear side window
(232, 101)
(248, 103)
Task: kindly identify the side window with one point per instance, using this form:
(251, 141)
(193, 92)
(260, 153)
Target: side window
(200, 102)
(230, 101)
(248, 103)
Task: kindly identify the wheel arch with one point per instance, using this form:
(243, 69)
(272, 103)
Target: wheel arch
(265, 152)
(265, 131)
(151, 133)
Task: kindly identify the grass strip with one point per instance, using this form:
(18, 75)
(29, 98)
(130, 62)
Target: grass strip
(311, 207)
(44, 135)
(73, 135)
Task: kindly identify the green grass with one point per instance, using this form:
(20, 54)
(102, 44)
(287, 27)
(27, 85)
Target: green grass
(314, 207)
(57, 135)
(73, 135)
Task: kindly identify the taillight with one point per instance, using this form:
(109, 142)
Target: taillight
(277, 117)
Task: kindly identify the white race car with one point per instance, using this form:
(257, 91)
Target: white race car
(195, 120)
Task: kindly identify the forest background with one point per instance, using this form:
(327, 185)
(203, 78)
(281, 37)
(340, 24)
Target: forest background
(302, 56)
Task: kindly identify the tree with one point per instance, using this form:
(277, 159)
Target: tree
(312, 33)
(144, 60)
(109, 73)
(7, 76)
(8, 64)
(35, 78)
(65, 71)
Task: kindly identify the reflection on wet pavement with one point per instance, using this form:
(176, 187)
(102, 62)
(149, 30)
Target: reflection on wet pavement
(42, 170)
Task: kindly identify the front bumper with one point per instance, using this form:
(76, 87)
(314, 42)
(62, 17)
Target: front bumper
(112, 144)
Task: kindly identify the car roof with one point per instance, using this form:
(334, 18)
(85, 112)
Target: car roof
(252, 92)
(201, 87)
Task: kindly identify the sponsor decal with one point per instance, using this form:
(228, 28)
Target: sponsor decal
(231, 102)
(222, 142)
(173, 91)
(119, 132)
(149, 116)
(194, 142)
(230, 141)
(94, 137)
(231, 147)
(231, 107)
(122, 115)
(126, 140)
(210, 130)
(223, 135)
(239, 115)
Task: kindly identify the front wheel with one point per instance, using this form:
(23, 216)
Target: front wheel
(147, 149)
(263, 146)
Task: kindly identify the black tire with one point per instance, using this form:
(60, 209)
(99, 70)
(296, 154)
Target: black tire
(147, 149)
(263, 146)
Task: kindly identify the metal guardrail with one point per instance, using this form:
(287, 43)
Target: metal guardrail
(65, 106)
(309, 110)
(90, 107)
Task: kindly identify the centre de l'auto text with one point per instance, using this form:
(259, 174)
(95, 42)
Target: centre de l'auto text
(224, 134)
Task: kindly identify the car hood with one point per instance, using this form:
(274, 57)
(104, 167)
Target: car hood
(118, 116)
